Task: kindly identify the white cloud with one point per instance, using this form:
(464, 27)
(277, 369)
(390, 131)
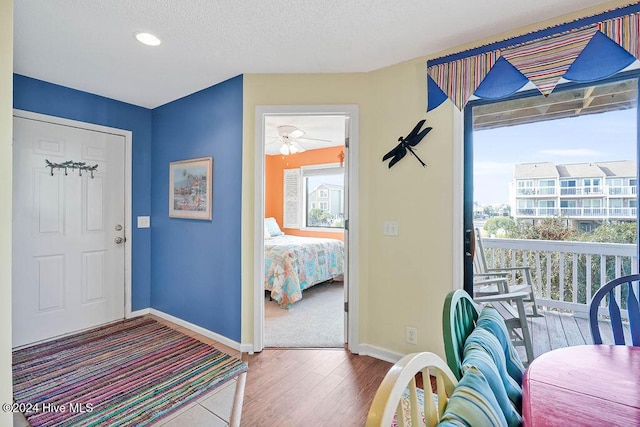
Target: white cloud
(574, 152)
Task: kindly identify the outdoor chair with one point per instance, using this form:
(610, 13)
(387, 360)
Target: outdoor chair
(398, 396)
(623, 287)
(490, 281)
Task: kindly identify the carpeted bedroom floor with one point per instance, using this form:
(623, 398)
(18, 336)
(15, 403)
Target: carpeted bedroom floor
(317, 320)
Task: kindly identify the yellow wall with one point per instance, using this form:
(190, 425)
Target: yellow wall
(403, 280)
(6, 112)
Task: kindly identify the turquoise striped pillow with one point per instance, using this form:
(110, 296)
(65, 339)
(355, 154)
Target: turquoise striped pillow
(484, 340)
(477, 357)
(473, 403)
(491, 321)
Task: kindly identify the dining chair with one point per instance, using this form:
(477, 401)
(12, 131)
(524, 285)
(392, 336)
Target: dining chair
(489, 281)
(617, 292)
(460, 314)
(398, 397)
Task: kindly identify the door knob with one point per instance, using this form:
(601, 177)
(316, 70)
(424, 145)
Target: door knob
(119, 240)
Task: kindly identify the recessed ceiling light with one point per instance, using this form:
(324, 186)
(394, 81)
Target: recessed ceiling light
(148, 39)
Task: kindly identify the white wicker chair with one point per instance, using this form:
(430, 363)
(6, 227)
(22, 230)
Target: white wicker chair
(391, 398)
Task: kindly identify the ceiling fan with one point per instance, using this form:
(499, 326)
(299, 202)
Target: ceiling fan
(289, 137)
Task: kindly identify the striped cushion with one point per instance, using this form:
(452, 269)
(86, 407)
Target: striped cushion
(483, 340)
(473, 403)
(477, 357)
(491, 320)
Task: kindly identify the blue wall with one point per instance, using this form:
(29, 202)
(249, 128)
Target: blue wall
(187, 268)
(46, 98)
(195, 264)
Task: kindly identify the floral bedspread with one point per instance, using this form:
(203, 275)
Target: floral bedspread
(294, 263)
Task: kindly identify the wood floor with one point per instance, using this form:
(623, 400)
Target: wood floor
(305, 387)
(310, 387)
(555, 330)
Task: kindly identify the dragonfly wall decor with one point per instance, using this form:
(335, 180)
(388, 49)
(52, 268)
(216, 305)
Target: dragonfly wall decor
(406, 144)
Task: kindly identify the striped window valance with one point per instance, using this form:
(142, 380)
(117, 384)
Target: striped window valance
(584, 50)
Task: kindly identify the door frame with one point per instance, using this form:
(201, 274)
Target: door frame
(127, 185)
(351, 111)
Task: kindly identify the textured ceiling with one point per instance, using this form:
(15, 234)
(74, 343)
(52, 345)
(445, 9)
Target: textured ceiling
(90, 45)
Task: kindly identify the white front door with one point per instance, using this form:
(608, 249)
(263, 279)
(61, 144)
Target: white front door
(68, 263)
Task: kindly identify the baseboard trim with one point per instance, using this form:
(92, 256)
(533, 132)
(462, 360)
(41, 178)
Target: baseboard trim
(246, 348)
(380, 353)
(199, 329)
(138, 313)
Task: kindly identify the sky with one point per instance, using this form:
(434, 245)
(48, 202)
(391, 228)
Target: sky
(601, 137)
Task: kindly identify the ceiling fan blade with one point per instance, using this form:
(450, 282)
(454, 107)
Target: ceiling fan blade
(277, 140)
(298, 146)
(286, 130)
(296, 133)
(314, 139)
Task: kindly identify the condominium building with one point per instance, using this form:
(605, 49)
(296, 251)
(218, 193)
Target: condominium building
(586, 194)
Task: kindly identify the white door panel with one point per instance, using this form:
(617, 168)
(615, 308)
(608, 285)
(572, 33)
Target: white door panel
(68, 273)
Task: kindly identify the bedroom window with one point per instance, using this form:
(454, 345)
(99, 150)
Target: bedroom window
(323, 190)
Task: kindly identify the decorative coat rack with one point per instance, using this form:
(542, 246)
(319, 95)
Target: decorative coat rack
(70, 164)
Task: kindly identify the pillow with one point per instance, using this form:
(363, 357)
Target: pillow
(472, 403)
(490, 320)
(271, 225)
(477, 357)
(267, 235)
(485, 341)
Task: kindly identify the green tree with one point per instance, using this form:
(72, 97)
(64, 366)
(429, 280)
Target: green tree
(613, 232)
(489, 211)
(553, 228)
(497, 223)
(318, 217)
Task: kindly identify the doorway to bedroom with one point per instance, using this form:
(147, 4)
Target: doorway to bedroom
(304, 256)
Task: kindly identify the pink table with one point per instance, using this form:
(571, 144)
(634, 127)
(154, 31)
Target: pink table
(587, 385)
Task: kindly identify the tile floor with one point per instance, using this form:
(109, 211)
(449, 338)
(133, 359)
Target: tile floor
(211, 410)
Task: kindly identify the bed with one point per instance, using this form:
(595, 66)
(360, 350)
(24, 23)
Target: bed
(294, 263)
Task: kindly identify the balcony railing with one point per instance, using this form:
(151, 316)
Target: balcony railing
(624, 190)
(566, 274)
(594, 213)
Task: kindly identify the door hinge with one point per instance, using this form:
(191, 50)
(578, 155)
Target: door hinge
(346, 142)
(346, 306)
(346, 224)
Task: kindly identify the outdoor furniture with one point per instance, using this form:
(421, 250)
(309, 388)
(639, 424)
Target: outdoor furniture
(398, 396)
(622, 286)
(459, 317)
(587, 385)
(488, 281)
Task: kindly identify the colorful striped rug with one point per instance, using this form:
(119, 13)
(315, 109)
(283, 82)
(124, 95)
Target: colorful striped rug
(132, 372)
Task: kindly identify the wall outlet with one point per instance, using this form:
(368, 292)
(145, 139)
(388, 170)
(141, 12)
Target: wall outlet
(412, 335)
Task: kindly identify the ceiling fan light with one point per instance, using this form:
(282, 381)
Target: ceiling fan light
(293, 149)
(284, 150)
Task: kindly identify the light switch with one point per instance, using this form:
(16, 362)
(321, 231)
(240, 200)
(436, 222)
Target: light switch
(391, 228)
(144, 221)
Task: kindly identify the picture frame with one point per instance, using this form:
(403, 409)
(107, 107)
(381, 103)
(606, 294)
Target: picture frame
(190, 183)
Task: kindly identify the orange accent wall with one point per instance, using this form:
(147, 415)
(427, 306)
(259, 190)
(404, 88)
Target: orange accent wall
(274, 167)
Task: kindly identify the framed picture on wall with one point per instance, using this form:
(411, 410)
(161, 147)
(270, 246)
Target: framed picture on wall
(190, 183)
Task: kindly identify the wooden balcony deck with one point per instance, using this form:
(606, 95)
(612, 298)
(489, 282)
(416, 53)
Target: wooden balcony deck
(556, 330)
